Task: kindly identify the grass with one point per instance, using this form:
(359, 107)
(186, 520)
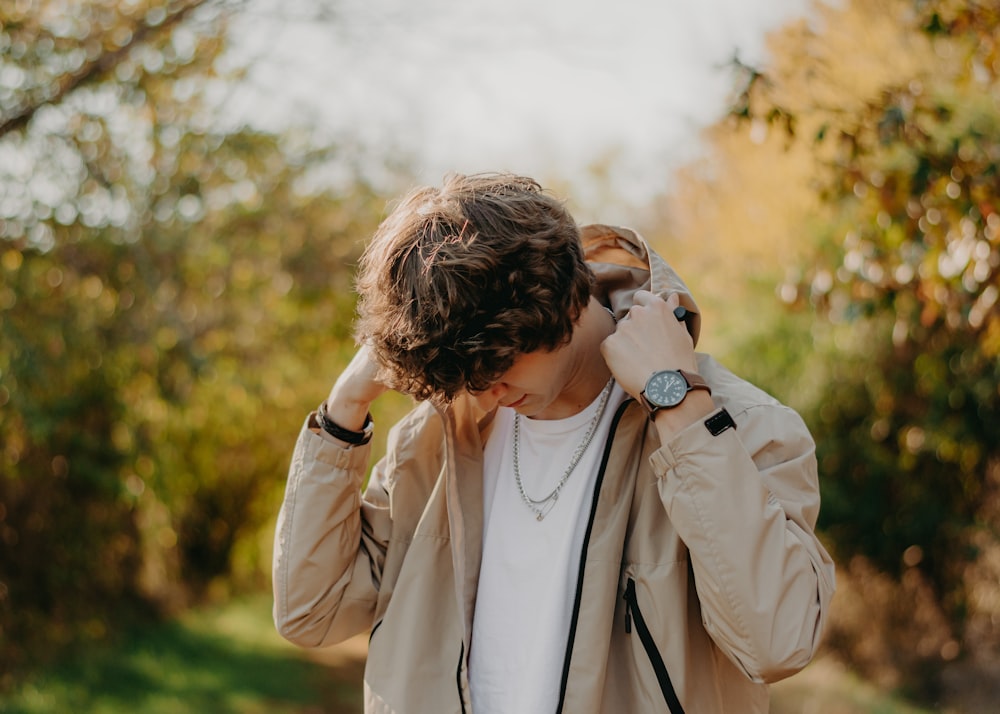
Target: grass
(226, 660)
(229, 660)
(826, 687)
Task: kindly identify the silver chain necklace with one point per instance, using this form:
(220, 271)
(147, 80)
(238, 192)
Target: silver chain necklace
(541, 507)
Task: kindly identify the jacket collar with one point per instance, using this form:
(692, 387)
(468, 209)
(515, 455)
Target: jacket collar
(623, 262)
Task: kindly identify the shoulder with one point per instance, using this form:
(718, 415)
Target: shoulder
(428, 426)
(422, 423)
(761, 419)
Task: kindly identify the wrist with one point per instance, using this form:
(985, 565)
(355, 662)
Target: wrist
(350, 416)
(345, 434)
(346, 410)
(696, 406)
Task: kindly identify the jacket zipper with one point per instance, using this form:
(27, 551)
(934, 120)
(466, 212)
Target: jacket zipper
(458, 677)
(374, 629)
(583, 553)
(633, 617)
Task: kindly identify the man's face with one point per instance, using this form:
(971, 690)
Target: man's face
(532, 384)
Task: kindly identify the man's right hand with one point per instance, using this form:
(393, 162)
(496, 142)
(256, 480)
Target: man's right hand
(354, 391)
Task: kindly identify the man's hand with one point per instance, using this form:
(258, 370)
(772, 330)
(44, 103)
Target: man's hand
(649, 339)
(354, 391)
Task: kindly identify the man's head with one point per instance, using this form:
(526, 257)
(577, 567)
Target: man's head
(460, 280)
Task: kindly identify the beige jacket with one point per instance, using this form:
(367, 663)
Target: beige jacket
(701, 578)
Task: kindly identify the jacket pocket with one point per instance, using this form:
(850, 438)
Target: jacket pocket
(634, 618)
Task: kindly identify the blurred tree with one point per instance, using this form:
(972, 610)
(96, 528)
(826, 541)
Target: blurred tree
(165, 279)
(878, 126)
(918, 189)
(58, 47)
(910, 263)
(739, 220)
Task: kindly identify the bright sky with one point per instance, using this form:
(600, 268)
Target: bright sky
(541, 87)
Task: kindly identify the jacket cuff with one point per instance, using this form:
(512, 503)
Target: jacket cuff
(687, 443)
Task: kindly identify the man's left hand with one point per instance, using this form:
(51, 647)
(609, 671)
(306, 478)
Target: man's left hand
(648, 339)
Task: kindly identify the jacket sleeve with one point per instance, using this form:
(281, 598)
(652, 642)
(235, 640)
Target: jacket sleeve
(330, 543)
(745, 503)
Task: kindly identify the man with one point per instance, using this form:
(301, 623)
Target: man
(581, 513)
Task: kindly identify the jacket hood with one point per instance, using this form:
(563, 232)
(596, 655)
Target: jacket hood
(623, 263)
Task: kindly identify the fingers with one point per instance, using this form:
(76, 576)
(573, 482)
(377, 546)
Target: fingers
(653, 337)
(644, 300)
(643, 297)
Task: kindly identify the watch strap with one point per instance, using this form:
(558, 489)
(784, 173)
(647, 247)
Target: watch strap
(719, 422)
(354, 438)
(695, 381)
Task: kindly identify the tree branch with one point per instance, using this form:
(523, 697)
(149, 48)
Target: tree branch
(98, 67)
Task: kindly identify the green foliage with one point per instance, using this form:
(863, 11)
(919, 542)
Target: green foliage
(916, 185)
(172, 302)
(905, 280)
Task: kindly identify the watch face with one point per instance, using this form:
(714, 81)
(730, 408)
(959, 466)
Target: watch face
(666, 389)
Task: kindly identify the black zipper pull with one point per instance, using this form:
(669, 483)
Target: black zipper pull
(628, 597)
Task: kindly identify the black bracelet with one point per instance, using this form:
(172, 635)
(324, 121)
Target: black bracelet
(354, 438)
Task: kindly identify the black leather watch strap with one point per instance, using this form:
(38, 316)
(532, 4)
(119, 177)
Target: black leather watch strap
(719, 422)
(355, 438)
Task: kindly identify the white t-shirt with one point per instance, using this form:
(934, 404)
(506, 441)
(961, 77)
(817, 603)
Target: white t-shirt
(529, 568)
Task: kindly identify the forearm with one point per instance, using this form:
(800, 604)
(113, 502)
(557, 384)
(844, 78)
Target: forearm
(347, 407)
(763, 578)
(695, 407)
(319, 544)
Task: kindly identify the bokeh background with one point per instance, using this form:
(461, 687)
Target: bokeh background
(186, 185)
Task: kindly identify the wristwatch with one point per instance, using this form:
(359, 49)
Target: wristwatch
(668, 388)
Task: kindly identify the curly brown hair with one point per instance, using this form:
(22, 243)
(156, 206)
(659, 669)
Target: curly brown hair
(460, 280)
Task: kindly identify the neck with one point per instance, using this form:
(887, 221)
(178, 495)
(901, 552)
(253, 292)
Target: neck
(589, 373)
